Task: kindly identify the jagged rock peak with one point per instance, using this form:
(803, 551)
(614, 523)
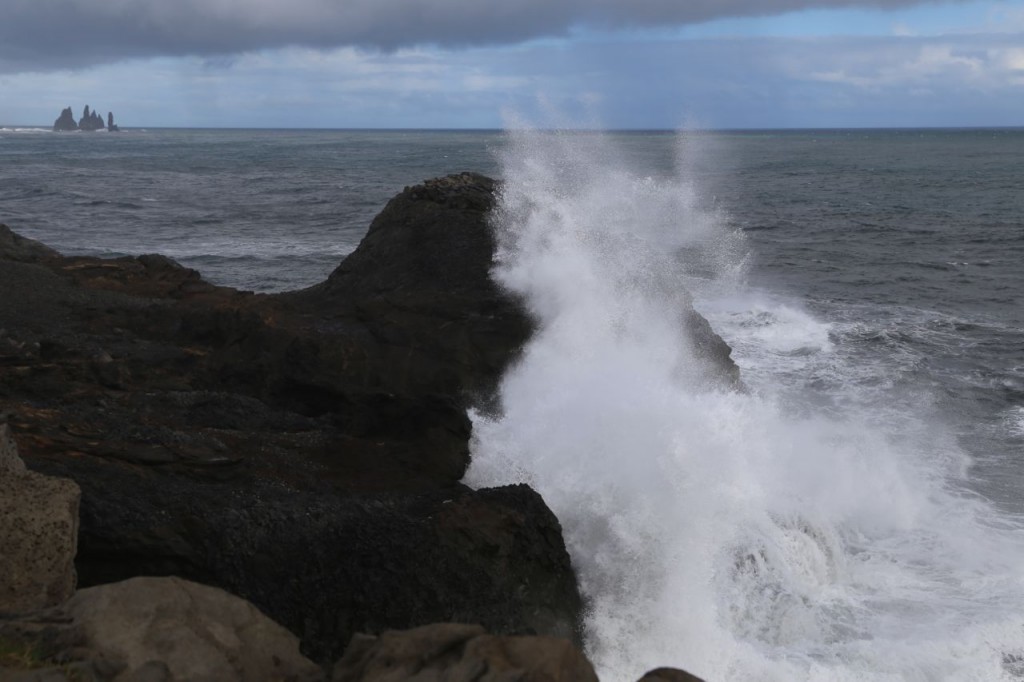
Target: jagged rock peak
(66, 121)
(91, 120)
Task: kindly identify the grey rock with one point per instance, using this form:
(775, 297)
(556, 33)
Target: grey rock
(172, 630)
(38, 534)
(452, 652)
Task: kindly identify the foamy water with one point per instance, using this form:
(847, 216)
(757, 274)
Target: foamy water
(816, 526)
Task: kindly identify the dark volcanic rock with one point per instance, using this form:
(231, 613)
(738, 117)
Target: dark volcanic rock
(424, 266)
(91, 120)
(301, 450)
(16, 248)
(327, 565)
(669, 675)
(420, 282)
(65, 122)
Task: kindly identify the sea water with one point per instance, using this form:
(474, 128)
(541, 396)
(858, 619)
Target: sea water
(854, 513)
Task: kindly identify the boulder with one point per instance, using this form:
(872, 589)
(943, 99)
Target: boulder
(193, 632)
(452, 652)
(151, 630)
(38, 534)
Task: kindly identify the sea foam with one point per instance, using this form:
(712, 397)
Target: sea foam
(766, 534)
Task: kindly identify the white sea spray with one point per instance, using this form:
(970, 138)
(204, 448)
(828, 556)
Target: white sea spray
(739, 535)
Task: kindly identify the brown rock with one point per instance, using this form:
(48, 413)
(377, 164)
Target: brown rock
(173, 630)
(460, 653)
(38, 534)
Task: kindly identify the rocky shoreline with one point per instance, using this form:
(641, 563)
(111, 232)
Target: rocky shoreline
(302, 451)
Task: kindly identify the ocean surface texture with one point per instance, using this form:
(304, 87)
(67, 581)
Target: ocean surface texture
(855, 514)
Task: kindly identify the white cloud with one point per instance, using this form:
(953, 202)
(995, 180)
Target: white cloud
(70, 33)
(944, 63)
(481, 82)
(971, 79)
(1010, 58)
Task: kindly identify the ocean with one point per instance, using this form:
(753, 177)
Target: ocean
(855, 513)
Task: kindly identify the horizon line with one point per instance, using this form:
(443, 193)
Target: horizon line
(122, 128)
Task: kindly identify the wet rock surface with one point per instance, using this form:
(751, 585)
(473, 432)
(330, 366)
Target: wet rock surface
(301, 450)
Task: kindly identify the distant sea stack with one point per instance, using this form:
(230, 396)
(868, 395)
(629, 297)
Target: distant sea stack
(65, 122)
(91, 120)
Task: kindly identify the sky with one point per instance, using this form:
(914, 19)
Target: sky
(640, 64)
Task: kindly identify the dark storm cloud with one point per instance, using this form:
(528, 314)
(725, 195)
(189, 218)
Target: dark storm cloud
(47, 34)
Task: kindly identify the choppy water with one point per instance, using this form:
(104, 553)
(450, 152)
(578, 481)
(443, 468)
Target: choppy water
(856, 515)
(261, 210)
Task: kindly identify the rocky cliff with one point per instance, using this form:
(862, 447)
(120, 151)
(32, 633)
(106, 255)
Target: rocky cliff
(303, 450)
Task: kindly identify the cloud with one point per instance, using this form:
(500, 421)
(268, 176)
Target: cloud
(972, 63)
(44, 35)
(966, 80)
